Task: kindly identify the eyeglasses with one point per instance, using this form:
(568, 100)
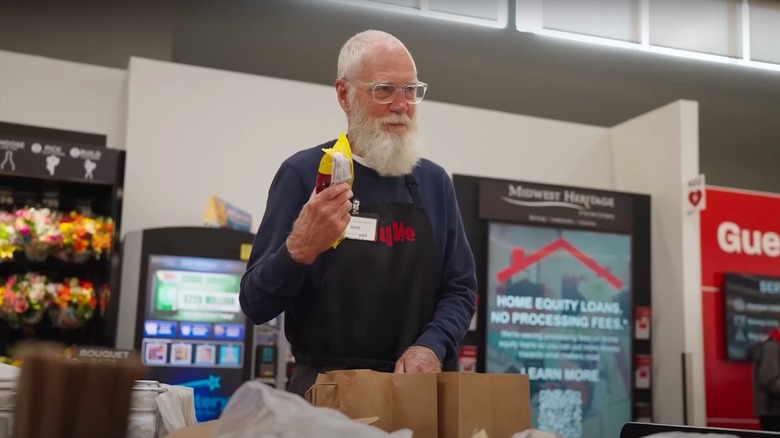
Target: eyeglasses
(385, 93)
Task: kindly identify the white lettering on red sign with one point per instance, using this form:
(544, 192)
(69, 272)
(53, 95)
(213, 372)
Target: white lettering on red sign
(733, 239)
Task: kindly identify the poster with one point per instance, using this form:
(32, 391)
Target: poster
(559, 309)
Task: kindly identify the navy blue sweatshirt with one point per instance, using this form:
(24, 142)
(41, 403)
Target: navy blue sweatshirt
(273, 279)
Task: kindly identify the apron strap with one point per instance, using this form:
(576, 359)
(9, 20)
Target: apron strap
(331, 364)
(413, 189)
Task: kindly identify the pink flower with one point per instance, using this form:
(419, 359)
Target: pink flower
(23, 228)
(21, 306)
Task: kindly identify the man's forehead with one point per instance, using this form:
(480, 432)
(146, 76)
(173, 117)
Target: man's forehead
(388, 65)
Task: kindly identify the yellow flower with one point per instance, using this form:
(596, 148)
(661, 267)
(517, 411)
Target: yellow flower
(7, 250)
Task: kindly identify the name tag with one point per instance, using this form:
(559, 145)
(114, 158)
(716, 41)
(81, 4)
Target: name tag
(361, 228)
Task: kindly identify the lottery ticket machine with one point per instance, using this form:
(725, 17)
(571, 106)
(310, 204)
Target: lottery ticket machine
(179, 309)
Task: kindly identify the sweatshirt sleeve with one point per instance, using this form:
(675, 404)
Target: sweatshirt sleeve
(457, 289)
(272, 278)
(767, 374)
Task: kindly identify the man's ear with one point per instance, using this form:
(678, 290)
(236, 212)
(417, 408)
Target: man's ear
(341, 94)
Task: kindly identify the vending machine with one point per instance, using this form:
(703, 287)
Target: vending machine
(179, 308)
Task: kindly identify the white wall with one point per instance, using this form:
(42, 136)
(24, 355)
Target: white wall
(193, 132)
(503, 145)
(657, 153)
(64, 95)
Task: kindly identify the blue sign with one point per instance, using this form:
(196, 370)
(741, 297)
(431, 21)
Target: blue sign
(229, 331)
(194, 330)
(160, 329)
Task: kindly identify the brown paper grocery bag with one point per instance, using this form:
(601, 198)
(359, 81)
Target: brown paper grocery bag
(499, 404)
(401, 401)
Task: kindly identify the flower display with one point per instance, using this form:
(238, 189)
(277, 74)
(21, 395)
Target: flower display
(77, 234)
(102, 239)
(74, 303)
(24, 299)
(10, 361)
(8, 239)
(36, 232)
(105, 297)
(40, 233)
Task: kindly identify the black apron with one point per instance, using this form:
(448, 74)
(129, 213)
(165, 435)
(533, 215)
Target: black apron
(369, 301)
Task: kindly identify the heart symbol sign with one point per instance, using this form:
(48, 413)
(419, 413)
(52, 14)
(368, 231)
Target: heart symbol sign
(695, 197)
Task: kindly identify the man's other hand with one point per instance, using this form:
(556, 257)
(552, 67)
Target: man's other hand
(321, 221)
(418, 359)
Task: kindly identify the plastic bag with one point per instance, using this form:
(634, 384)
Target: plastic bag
(257, 410)
(336, 167)
(177, 407)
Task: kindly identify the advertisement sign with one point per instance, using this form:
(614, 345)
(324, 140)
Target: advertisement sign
(564, 271)
(559, 310)
(740, 235)
(193, 329)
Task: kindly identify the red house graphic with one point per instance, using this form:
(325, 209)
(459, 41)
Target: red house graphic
(519, 261)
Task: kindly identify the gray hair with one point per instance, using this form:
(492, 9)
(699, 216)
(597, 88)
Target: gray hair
(352, 53)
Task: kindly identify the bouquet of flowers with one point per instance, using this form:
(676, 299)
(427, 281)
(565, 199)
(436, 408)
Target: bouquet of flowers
(10, 361)
(8, 238)
(23, 299)
(105, 297)
(103, 238)
(37, 232)
(74, 303)
(76, 244)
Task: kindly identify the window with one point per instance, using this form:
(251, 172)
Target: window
(707, 26)
(406, 3)
(488, 10)
(492, 13)
(765, 30)
(744, 32)
(615, 19)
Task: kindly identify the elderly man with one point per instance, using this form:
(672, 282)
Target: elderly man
(399, 300)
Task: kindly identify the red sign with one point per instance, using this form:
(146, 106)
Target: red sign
(739, 233)
(642, 316)
(467, 359)
(643, 370)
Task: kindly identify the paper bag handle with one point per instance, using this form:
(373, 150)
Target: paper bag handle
(324, 395)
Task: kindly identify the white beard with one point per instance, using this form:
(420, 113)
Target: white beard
(388, 153)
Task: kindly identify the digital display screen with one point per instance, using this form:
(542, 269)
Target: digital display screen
(194, 329)
(752, 310)
(559, 310)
